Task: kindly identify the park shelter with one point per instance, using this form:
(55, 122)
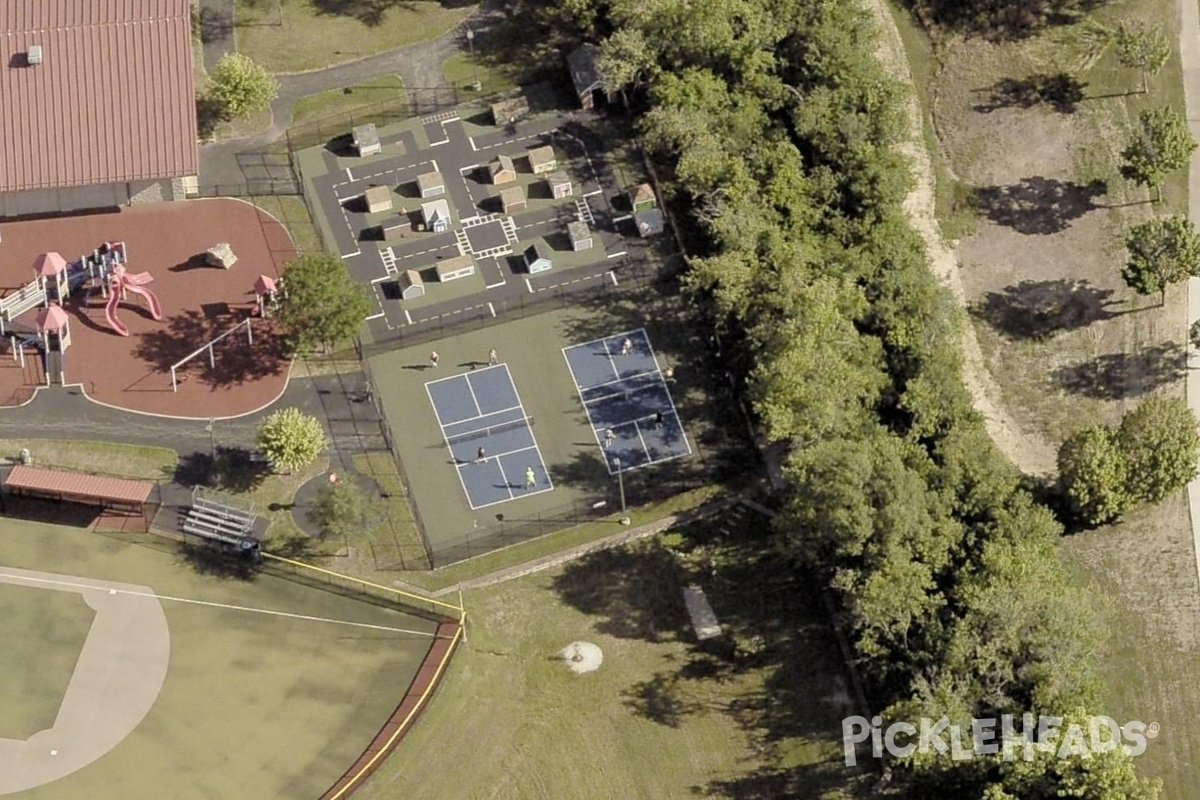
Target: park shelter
(537, 259)
(560, 185)
(542, 160)
(581, 236)
(502, 170)
(641, 198)
(431, 184)
(512, 199)
(506, 112)
(411, 285)
(585, 76)
(436, 216)
(115, 497)
(366, 139)
(97, 104)
(454, 268)
(378, 198)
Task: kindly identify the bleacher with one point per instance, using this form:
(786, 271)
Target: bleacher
(220, 523)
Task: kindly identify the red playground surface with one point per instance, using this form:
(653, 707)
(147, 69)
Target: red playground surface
(197, 302)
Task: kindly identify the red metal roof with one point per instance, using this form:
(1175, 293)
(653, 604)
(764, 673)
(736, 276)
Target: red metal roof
(78, 484)
(112, 101)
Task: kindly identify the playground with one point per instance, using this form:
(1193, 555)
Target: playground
(157, 672)
(115, 304)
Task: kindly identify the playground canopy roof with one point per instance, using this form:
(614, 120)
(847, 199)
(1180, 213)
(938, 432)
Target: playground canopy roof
(47, 265)
(111, 101)
(78, 486)
(264, 284)
(51, 318)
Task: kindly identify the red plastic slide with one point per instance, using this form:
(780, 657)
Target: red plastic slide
(121, 280)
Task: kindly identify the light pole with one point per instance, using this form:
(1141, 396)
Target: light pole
(212, 437)
(621, 484)
(474, 72)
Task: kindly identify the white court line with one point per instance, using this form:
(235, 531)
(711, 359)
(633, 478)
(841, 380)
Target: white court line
(611, 363)
(642, 439)
(503, 477)
(349, 176)
(529, 285)
(618, 380)
(532, 435)
(376, 316)
(593, 194)
(408, 316)
(474, 399)
(210, 604)
(445, 439)
(351, 255)
(617, 254)
(579, 390)
(613, 275)
(492, 309)
(493, 286)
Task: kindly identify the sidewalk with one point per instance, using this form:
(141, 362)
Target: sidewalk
(1189, 53)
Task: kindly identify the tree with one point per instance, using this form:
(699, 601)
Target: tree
(342, 509)
(1162, 251)
(1161, 445)
(239, 86)
(1093, 473)
(323, 305)
(291, 438)
(1160, 145)
(625, 59)
(1142, 48)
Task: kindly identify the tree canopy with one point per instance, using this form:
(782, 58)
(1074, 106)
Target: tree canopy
(240, 86)
(1162, 251)
(322, 304)
(775, 131)
(291, 439)
(1161, 144)
(1143, 48)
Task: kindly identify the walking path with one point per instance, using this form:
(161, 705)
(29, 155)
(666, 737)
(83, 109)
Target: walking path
(418, 65)
(1189, 53)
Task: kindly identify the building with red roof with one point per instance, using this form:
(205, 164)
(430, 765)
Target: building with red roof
(97, 104)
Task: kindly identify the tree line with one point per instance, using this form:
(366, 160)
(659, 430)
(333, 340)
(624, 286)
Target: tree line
(776, 128)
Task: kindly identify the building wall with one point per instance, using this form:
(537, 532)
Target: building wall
(83, 198)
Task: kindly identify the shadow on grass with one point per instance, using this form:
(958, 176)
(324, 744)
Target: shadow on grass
(774, 672)
(999, 20)
(369, 12)
(1038, 206)
(232, 470)
(1116, 376)
(1059, 91)
(1037, 310)
(214, 562)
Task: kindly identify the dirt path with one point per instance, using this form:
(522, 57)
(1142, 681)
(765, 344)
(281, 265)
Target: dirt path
(1030, 453)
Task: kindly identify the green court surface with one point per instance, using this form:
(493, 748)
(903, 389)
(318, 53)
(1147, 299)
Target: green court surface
(50, 628)
(270, 692)
(532, 348)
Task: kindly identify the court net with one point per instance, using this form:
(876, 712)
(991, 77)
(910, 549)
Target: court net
(486, 433)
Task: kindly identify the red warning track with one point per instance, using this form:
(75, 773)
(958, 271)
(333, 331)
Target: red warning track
(199, 302)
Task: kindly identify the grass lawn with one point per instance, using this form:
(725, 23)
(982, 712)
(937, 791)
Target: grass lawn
(396, 543)
(273, 688)
(122, 460)
(293, 213)
(316, 33)
(52, 627)
(460, 70)
(755, 715)
(361, 99)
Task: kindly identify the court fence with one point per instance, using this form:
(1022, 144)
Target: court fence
(337, 581)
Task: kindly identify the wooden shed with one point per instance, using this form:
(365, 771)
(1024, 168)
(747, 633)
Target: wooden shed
(455, 268)
(366, 140)
(431, 184)
(581, 236)
(378, 198)
(537, 259)
(411, 285)
(512, 199)
(436, 216)
(542, 159)
(560, 185)
(506, 112)
(641, 198)
(502, 170)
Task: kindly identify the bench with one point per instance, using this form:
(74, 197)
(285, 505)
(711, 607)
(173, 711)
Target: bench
(222, 511)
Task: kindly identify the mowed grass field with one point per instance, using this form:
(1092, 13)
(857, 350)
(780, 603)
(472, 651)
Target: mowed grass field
(51, 628)
(313, 34)
(270, 692)
(754, 715)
